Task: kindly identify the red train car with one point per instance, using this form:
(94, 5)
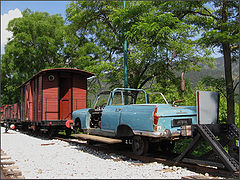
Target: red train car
(7, 112)
(16, 113)
(11, 114)
(2, 114)
(50, 97)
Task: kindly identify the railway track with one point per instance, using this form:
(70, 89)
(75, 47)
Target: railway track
(8, 170)
(121, 150)
(125, 151)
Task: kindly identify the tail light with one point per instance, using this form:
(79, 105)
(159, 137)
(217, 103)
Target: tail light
(155, 119)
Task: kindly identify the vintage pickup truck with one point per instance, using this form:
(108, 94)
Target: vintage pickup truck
(126, 113)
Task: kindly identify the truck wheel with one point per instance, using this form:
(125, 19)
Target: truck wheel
(139, 145)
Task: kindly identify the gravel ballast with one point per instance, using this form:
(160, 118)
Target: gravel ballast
(54, 159)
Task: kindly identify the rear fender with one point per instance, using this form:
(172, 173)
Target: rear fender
(124, 131)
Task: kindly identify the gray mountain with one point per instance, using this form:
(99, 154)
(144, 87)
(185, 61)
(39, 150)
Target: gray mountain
(216, 72)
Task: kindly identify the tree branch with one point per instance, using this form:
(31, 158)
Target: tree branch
(203, 14)
(234, 88)
(173, 55)
(145, 81)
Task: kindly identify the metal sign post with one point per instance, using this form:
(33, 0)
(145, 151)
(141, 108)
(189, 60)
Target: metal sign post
(125, 56)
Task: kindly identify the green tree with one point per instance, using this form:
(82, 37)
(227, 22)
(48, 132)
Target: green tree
(158, 41)
(217, 22)
(37, 43)
(218, 27)
(89, 43)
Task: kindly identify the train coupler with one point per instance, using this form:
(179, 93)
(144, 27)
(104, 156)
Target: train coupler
(69, 124)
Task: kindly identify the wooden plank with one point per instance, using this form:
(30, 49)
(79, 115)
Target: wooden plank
(9, 167)
(15, 173)
(97, 138)
(3, 158)
(199, 177)
(203, 162)
(47, 144)
(7, 163)
(20, 177)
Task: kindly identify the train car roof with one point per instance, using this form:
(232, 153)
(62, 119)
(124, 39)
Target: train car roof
(82, 72)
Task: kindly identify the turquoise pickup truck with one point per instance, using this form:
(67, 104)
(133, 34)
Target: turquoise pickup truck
(126, 114)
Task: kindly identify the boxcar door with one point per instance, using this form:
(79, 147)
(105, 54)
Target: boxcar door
(65, 98)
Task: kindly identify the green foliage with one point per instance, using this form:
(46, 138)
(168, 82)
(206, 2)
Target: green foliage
(171, 91)
(158, 41)
(219, 28)
(36, 44)
(201, 149)
(181, 145)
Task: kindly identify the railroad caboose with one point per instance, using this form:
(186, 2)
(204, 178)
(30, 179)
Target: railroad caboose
(49, 98)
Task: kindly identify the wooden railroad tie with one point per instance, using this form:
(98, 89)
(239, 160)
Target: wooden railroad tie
(97, 138)
(8, 170)
(198, 177)
(4, 158)
(5, 168)
(7, 163)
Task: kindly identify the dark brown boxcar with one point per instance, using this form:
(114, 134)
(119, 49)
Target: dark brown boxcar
(50, 97)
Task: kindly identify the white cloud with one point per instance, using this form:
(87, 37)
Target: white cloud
(5, 18)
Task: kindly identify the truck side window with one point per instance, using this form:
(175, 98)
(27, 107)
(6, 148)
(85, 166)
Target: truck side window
(117, 99)
(140, 99)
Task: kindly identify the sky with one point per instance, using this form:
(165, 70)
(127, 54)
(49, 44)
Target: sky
(13, 9)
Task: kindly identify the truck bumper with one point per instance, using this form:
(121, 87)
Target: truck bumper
(156, 134)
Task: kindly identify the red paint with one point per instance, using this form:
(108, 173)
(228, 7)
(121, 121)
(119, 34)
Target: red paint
(79, 92)
(69, 123)
(50, 97)
(47, 95)
(2, 113)
(28, 100)
(65, 98)
(12, 126)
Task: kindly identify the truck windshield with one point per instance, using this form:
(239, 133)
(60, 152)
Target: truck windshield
(101, 100)
(157, 97)
(128, 97)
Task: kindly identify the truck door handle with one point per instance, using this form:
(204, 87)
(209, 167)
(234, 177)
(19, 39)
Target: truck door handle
(118, 109)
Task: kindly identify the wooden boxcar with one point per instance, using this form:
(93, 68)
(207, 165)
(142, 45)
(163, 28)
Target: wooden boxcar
(11, 114)
(50, 97)
(16, 113)
(2, 114)
(7, 112)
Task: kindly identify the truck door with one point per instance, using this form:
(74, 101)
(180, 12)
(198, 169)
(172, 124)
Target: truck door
(112, 113)
(110, 118)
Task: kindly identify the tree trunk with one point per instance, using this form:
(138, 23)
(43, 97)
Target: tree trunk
(230, 92)
(229, 83)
